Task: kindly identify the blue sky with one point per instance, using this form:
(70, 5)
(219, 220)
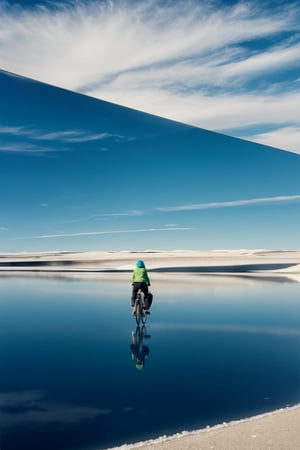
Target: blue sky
(80, 174)
(227, 66)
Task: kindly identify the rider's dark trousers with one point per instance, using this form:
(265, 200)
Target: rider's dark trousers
(136, 287)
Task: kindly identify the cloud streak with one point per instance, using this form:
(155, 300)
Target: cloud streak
(232, 204)
(207, 64)
(284, 136)
(32, 149)
(283, 199)
(61, 136)
(131, 213)
(22, 139)
(170, 227)
(106, 232)
(204, 206)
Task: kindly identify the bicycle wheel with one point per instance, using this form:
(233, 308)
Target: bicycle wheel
(143, 332)
(138, 336)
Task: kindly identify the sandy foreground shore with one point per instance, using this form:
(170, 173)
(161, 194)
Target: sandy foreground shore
(279, 430)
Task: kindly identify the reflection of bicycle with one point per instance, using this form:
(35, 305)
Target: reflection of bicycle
(139, 351)
(138, 309)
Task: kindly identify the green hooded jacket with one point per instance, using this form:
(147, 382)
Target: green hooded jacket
(140, 275)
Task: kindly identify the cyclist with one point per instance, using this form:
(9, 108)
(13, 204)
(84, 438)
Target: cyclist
(140, 280)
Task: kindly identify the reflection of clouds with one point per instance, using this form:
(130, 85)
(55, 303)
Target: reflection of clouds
(18, 408)
(127, 409)
(12, 399)
(224, 328)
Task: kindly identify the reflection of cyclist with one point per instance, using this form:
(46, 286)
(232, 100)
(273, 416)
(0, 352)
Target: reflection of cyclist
(139, 351)
(140, 280)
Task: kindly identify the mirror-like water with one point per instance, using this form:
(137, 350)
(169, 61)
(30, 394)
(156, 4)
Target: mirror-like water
(214, 350)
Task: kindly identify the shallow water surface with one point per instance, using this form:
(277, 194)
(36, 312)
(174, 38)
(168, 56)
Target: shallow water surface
(214, 350)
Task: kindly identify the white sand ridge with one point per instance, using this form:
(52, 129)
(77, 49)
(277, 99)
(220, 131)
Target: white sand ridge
(258, 261)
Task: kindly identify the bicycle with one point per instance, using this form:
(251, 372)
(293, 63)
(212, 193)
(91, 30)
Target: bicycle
(140, 312)
(139, 351)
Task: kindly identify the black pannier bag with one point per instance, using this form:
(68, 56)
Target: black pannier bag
(148, 300)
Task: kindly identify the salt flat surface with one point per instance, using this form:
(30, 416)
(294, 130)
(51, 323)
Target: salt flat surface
(278, 430)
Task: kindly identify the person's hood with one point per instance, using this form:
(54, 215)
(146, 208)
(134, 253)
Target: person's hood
(140, 264)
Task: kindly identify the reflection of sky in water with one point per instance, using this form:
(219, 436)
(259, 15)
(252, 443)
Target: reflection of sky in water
(68, 379)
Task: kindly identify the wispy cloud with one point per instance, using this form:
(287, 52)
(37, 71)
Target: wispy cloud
(203, 206)
(61, 136)
(77, 136)
(15, 131)
(169, 227)
(288, 137)
(205, 63)
(232, 204)
(32, 149)
(32, 141)
(132, 213)
(105, 232)
(105, 216)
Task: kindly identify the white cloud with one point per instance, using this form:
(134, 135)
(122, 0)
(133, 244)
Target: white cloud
(232, 204)
(93, 233)
(106, 216)
(61, 135)
(215, 67)
(15, 131)
(133, 213)
(227, 112)
(77, 136)
(31, 141)
(20, 147)
(171, 227)
(105, 232)
(288, 137)
(197, 206)
(265, 61)
(176, 208)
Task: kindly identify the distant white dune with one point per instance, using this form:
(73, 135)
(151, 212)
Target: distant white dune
(259, 261)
